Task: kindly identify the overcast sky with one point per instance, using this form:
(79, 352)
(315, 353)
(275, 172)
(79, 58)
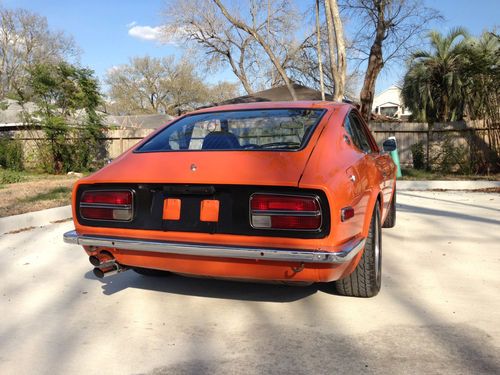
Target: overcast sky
(111, 31)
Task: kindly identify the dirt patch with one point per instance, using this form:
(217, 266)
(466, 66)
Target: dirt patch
(20, 230)
(488, 190)
(36, 195)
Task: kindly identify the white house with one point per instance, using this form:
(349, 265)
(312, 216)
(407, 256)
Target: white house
(389, 103)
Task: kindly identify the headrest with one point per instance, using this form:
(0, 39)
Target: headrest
(220, 141)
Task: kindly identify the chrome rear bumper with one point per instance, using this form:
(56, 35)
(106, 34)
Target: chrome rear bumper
(345, 254)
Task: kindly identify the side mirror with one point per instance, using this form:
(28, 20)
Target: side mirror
(389, 145)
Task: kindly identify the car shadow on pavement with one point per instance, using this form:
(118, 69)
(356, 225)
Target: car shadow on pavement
(466, 204)
(205, 287)
(441, 213)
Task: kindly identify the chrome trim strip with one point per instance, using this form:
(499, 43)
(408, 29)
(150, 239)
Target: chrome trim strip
(106, 205)
(346, 253)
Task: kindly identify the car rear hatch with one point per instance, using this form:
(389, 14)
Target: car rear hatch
(272, 168)
(195, 180)
(191, 178)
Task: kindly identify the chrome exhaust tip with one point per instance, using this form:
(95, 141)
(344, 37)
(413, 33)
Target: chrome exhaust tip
(108, 269)
(98, 260)
(98, 273)
(95, 261)
(105, 264)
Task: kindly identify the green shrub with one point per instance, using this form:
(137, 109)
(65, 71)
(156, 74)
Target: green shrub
(453, 158)
(10, 177)
(418, 156)
(67, 98)
(11, 154)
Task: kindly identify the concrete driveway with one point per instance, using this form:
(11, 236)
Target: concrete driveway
(438, 311)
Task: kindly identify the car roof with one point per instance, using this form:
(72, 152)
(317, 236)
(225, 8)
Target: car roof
(275, 105)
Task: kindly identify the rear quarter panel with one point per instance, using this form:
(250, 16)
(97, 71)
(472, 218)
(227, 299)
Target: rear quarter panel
(329, 168)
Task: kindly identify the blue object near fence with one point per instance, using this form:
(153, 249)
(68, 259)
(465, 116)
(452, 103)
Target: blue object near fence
(395, 159)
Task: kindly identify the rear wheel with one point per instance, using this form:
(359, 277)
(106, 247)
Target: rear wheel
(390, 220)
(150, 272)
(366, 279)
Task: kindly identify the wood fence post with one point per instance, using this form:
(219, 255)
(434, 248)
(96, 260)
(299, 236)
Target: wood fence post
(429, 138)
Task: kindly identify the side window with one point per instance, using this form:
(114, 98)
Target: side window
(352, 133)
(359, 129)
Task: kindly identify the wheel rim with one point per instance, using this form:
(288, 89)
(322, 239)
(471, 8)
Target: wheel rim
(378, 259)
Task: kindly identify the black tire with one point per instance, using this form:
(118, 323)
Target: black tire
(150, 272)
(366, 279)
(390, 220)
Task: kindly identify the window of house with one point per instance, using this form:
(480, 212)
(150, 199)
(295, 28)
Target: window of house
(389, 111)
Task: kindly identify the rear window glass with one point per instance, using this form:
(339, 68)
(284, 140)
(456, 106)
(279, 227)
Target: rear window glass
(275, 129)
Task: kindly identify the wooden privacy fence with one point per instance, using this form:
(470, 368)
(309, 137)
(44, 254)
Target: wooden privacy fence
(117, 141)
(470, 136)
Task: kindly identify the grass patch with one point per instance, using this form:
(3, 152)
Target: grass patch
(419, 174)
(36, 192)
(8, 176)
(57, 193)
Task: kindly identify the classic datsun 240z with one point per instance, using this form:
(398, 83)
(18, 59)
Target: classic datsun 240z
(277, 191)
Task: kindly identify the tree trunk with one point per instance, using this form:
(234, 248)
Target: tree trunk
(320, 64)
(341, 57)
(242, 26)
(331, 47)
(430, 127)
(373, 69)
(375, 64)
(240, 73)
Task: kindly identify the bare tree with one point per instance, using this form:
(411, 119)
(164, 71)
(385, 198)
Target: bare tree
(154, 85)
(222, 91)
(26, 40)
(261, 42)
(139, 87)
(203, 24)
(388, 29)
(199, 21)
(254, 32)
(304, 67)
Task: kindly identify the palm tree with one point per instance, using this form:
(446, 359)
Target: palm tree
(433, 85)
(482, 95)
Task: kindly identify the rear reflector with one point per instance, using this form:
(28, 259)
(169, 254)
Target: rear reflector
(346, 213)
(269, 211)
(107, 205)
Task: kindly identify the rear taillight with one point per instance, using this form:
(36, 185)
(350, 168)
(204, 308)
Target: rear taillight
(270, 211)
(107, 205)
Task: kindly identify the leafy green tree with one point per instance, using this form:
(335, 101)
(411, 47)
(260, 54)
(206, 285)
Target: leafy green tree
(482, 92)
(433, 86)
(481, 71)
(459, 79)
(67, 98)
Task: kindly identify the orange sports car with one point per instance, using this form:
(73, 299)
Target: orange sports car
(294, 192)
